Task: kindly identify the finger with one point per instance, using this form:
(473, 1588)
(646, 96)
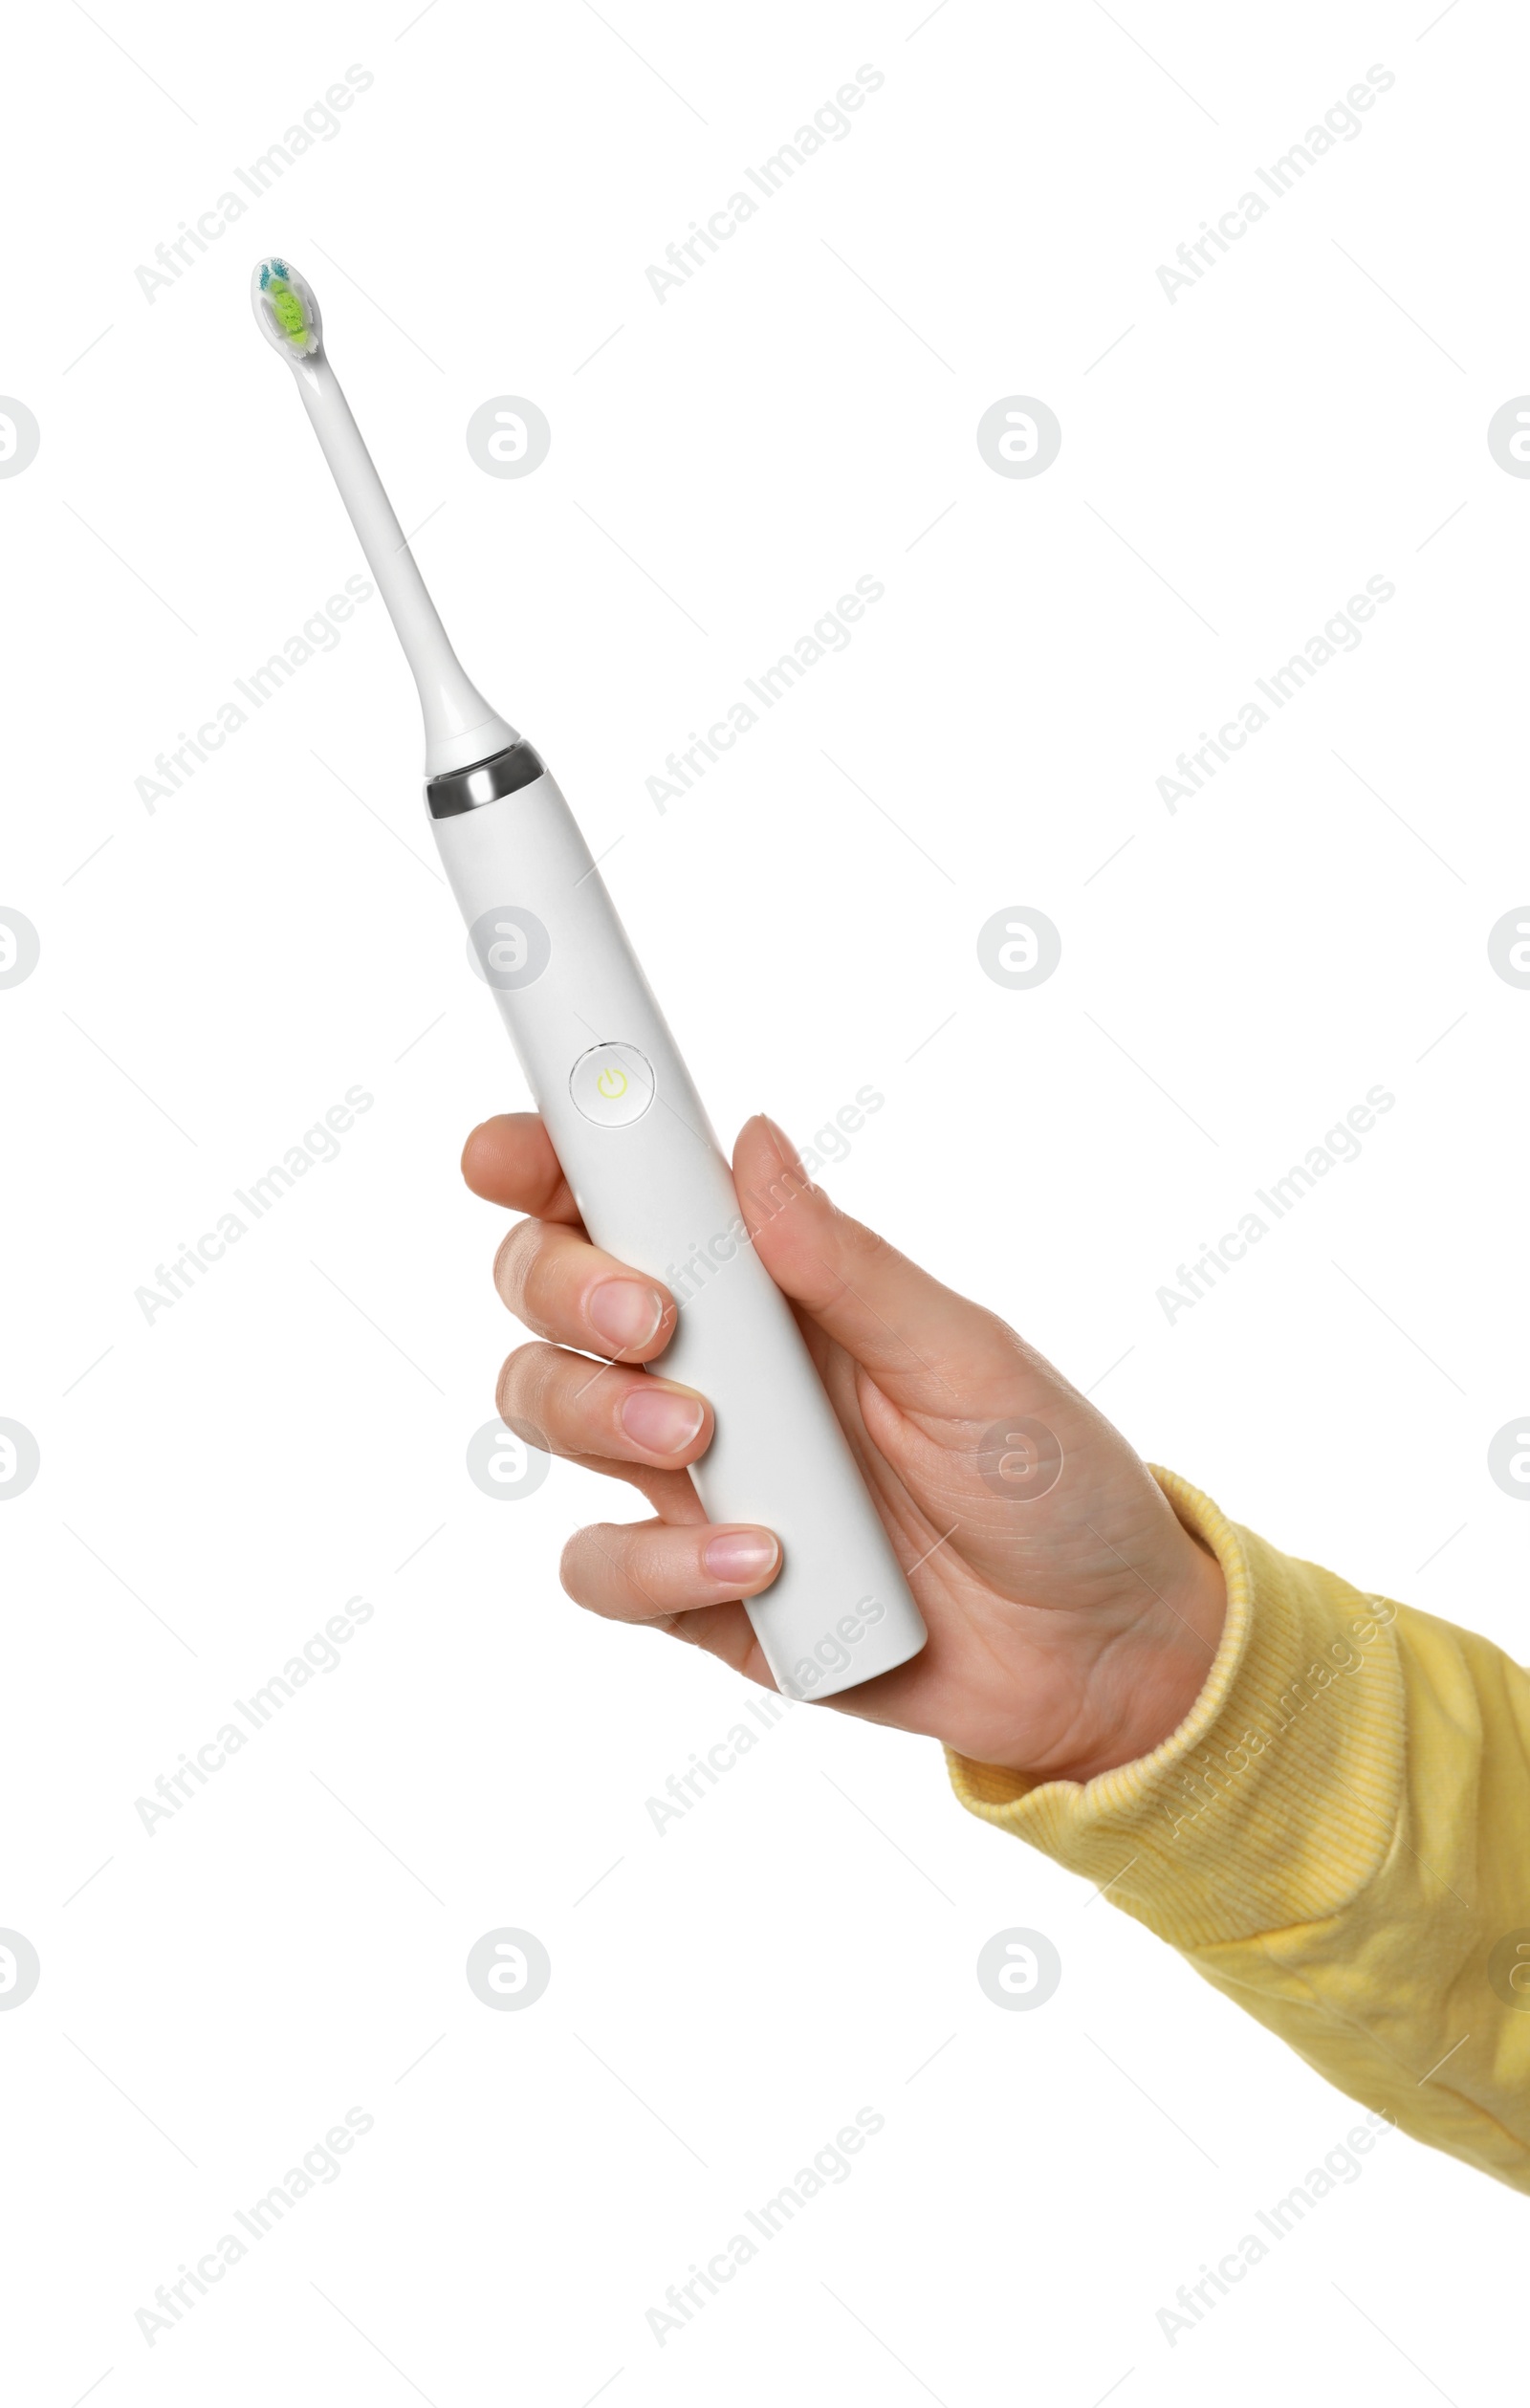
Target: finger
(566, 1289)
(646, 1571)
(510, 1160)
(927, 1347)
(567, 1405)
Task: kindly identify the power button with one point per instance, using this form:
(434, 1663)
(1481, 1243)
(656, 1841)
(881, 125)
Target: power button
(612, 1084)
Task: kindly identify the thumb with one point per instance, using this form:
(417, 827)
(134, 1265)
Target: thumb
(932, 1351)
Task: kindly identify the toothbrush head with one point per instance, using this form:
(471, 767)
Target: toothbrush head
(285, 311)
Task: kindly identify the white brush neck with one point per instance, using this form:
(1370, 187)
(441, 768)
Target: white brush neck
(460, 726)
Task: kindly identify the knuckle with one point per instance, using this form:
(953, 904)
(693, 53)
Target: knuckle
(593, 1570)
(1010, 1349)
(786, 1188)
(522, 1392)
(850, 1251)
(860, 1244)
(515, 1264)
(572, 1569)
(533, 1271)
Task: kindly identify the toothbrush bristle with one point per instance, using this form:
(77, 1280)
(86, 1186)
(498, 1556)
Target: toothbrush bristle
(285, 308)
(289, 311)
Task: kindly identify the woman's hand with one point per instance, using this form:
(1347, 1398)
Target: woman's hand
(1070, 1631)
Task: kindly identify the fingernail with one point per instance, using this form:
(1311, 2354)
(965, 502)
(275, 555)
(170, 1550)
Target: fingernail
(739, 1555)
(625, 1313)
(660, 1419)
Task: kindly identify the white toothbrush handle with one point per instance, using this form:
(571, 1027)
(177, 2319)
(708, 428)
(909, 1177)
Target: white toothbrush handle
(655, 1190)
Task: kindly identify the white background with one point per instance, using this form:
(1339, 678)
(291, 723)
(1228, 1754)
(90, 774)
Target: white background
(215, 973)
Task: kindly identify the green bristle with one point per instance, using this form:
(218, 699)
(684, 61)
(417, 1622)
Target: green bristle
(288, 310)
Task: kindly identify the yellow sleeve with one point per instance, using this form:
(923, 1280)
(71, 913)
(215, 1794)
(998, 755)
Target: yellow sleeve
(1338, 1836)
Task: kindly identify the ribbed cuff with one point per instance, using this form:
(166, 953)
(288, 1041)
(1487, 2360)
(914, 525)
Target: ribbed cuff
(1276, 1799)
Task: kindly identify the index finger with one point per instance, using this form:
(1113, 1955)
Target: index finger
(509, 1159)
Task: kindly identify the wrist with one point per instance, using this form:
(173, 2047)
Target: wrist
(1146, 1679)
(1178, 1644)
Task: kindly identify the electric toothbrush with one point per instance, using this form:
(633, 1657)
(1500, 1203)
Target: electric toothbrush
(628, 1127)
